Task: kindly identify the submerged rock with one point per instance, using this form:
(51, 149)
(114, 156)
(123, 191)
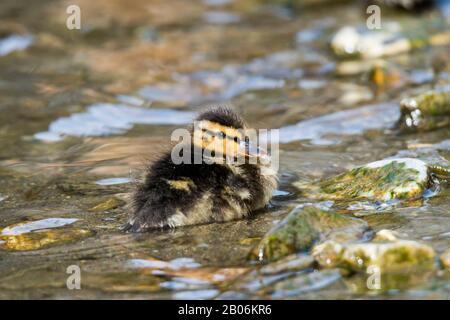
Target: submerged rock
(427, 111)
(401, 178)
(392, 39)
(386, 235)
(399, 255)
(304, 226)
(366, 283)
(303, 283)
(109, 204)
(41, 233)
(445, 259)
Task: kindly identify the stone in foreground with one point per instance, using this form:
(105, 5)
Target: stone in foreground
(400, 255)
(302, 228)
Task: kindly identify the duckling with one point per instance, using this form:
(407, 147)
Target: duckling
(211, 189)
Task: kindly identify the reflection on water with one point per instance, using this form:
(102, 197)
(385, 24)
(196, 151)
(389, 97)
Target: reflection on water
(41, 233)
(13, 43)
(112, 181)
(109, 96)
(175, 264)
(348, 122)
(105, 119)
(37, 225)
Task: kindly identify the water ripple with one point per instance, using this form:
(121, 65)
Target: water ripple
(105, 119)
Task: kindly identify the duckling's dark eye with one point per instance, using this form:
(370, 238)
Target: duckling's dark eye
(236, 139)
(222, 135)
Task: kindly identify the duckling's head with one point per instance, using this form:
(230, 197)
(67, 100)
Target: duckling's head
(222, 135)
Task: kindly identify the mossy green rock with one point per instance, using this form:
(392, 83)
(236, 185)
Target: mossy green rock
(302, 228)
(402, 178)
(425, 112)
(395, 256)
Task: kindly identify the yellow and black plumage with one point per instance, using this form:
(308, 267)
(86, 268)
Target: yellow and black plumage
(175, 195)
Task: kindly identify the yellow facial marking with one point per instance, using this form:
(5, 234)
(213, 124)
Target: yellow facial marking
(222, 140)
(184, 185)
(216, 127)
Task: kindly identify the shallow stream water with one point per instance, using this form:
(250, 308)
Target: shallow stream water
(82, 112)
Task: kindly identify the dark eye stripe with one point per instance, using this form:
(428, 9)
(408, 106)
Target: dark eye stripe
(221, 135)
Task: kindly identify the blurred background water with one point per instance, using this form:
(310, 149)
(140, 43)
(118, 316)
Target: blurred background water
(82, 111)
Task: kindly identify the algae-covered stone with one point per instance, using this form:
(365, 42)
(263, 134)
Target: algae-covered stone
(304, 226)
(39, 234)
(402, 178)
(427, 111)
(388, 256)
